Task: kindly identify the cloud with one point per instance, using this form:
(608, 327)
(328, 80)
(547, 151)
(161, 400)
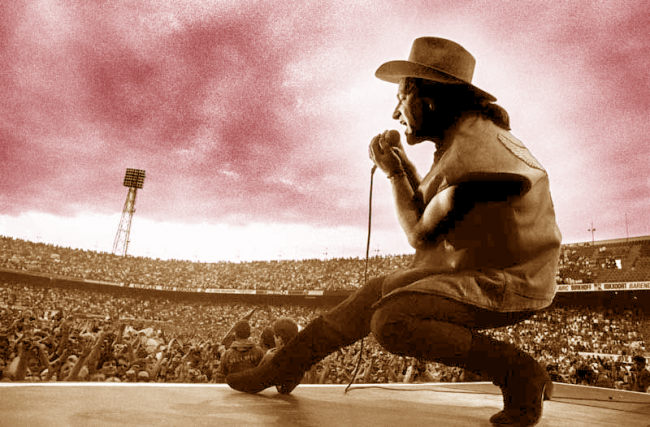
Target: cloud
(209, 101)
(260, 112)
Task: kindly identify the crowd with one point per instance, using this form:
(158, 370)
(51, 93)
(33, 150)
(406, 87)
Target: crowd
(314, 274)
(588, 263)
(578, 264)
(52, 334)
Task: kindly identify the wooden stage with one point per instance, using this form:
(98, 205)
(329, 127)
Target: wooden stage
(439, 405)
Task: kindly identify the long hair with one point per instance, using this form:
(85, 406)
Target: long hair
(458, 98)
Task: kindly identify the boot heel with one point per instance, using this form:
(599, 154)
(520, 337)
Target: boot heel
(548, 390)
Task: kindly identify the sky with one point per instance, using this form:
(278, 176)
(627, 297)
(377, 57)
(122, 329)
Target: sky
(252, 119)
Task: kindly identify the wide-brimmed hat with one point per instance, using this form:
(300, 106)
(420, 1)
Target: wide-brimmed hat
(435, 59)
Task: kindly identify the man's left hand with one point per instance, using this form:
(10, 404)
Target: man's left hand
(386, 150)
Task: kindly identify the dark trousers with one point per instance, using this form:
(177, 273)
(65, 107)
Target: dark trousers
(413, 324)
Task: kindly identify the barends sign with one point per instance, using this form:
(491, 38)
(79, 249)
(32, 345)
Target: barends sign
(599, 287)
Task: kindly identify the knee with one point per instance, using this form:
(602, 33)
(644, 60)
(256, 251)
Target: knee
(378, 322)
(391, 322)
(389, 331)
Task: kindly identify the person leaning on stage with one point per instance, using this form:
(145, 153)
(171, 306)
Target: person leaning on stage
(243, 353)
(267, 340)
(640, 375)
(284, 329)
(483, 227)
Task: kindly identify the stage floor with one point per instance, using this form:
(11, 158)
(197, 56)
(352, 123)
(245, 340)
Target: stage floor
(439, 405)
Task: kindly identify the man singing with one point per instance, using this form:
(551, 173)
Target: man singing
(483, 228)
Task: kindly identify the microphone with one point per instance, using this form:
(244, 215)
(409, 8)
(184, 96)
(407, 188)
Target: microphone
(392, 138)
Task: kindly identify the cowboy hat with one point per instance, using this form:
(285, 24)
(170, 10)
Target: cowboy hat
(435, 59)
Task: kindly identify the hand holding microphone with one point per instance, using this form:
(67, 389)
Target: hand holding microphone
(392, 138)
(386, 151)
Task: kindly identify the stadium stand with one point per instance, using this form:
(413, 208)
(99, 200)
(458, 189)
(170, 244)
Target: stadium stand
(101, 330)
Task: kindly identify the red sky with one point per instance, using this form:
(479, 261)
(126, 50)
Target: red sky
(258, 114)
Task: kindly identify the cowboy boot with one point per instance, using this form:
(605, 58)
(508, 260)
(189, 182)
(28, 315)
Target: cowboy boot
(288, 365)
(525, 384)
(503, 419)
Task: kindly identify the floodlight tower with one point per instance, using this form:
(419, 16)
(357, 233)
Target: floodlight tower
(133, 179)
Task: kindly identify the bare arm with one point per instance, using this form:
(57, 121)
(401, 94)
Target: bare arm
(81, 361)
(390, 140)
(120, 333)
(420, 222)
(18, 367)
(367, 375)
(158, 366)
(325, 372)
(87, 358)
(55, 365)
(65, 334)
(409, 168)
(421, 226)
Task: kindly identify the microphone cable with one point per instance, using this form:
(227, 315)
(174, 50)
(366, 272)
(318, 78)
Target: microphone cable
(365, 273)
(372, 174)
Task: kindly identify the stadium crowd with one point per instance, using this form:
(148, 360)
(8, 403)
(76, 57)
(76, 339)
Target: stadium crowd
(55, 334)
(577, 264)
(315, 274)
(52, 334)
(589, 263)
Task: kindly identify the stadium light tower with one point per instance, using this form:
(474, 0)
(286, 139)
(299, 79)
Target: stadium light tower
(592, 230)
(133, 179)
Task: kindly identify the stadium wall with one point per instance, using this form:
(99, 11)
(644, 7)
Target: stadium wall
(252, 296)
(607, 294)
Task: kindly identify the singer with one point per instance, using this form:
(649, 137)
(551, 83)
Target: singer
(483, 228)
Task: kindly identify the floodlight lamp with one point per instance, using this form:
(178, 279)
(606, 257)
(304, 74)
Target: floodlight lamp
(134, 178)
